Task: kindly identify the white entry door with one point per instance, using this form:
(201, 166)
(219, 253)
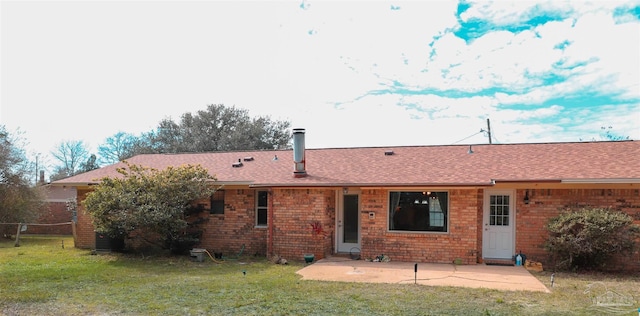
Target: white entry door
(498, 240)
(348, 223)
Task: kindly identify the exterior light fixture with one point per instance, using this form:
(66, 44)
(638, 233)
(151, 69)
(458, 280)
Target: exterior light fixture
(526, 197)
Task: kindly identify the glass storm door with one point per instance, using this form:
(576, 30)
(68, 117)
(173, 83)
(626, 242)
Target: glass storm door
(498, 223)
(349, 223)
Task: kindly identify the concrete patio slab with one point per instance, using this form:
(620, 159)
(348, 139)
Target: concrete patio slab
(509, 278)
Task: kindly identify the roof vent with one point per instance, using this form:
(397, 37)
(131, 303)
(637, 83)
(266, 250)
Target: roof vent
(248, 159)
(237, 164)
(470, 151)
(388, 153)
(275, 158)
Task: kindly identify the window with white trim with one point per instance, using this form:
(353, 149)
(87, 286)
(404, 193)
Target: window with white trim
(499, 210)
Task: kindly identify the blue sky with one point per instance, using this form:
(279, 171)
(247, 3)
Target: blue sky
(361, 73)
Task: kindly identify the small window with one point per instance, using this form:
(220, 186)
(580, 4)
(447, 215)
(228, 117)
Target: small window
(418, 211)
(217, 202)
(436, 215)
(499, 210)
(262, 203)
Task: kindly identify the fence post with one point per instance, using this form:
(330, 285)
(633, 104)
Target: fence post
(18, 235)
(74, 232)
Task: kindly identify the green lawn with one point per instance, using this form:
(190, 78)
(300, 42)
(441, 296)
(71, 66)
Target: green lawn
(42, 278)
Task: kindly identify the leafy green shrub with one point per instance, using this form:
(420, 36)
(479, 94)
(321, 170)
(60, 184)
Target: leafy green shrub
(150, 204)
(588, 237)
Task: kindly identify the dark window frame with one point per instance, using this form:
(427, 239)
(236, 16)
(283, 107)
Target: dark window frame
(217, 203)
(262, 208)
(415, 211)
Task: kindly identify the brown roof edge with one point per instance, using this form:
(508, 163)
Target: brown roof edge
(603, 180)
(77, 184)
(73, 184)
(376, 185)
(528, 181)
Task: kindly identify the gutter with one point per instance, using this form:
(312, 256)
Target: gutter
(603, 181)
(377, 185)
(83, 184)
(490, 183)
(576, 181)
(73, 184)
(529, 181)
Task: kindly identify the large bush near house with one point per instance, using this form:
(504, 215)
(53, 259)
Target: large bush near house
(153, 205)
(587, 238)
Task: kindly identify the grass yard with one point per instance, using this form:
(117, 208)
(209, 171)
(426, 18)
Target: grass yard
(42, 278)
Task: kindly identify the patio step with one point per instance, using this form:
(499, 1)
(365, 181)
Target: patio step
(498, 262)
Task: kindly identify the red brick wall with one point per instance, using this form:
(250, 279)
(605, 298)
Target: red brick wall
(294, 211)
(531, 219)
(55, 212)
(85, 233)
(480, 223)
(224, 233)
(227, 232)
(460, 242)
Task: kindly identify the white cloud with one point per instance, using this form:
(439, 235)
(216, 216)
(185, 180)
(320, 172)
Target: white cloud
(498, 12)
(352, 73)
(519, 116)
(502, 13)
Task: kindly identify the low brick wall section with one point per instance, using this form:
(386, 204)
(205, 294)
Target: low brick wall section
(544, 204)
(54, 213)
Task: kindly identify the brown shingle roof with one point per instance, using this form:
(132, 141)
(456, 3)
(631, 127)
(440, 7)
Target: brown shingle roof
(409, 165)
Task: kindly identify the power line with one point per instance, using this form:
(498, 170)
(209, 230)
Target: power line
(481, 131)
(493, 140)
(496, 139)
(487, 133)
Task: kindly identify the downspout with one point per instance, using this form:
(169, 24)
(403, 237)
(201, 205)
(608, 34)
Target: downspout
(270, 215)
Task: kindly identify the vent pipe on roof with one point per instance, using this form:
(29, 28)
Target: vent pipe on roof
(299, 169)
(237, 164)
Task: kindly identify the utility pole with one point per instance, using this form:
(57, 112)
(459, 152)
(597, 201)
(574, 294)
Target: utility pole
(37, 155)
(489, 131)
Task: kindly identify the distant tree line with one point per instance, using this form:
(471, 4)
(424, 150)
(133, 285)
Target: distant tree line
(217, 128)
(20, 201)
(607, 134)
(73, 158)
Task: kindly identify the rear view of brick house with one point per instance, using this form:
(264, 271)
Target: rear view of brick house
(412, 203)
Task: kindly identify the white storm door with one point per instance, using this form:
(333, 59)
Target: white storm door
(348, 223)
(498, 240)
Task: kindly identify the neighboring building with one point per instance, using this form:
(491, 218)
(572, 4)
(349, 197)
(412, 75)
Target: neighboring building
(57, 215)
(412, 203)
